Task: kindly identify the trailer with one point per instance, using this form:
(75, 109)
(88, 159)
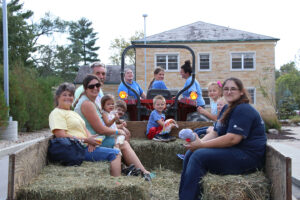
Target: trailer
(27, 163)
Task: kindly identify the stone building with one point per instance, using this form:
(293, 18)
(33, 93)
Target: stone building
(221, 52)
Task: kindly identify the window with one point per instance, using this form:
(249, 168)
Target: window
(204, 61)
(167, 61)
(205, 96)
(242, 61)
(252, 95)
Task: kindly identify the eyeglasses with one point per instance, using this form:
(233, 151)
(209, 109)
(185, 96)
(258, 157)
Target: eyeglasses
(93, 86)
(230, 89)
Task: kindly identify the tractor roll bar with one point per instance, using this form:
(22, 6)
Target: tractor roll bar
(175, 106)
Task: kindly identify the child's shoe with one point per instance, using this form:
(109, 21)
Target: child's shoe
(128, 170)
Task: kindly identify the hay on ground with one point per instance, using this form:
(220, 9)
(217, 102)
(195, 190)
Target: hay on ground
(254, 186)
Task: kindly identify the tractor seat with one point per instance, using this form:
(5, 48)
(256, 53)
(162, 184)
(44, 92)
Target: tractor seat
(153, 92)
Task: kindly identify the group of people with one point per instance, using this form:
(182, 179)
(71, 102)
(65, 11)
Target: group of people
(235, 144)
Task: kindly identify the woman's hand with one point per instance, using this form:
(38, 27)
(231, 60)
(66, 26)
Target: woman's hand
(91, 148)
(91, 140)
(196, 144)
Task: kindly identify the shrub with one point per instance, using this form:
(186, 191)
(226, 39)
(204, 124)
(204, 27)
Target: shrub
(31, 98)
(3, 109)
(295, 119)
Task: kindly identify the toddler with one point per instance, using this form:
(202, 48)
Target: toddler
(120, 109)
(109, 117)
(156, 122)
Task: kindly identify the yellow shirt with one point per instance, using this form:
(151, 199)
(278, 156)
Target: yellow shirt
(67, 120)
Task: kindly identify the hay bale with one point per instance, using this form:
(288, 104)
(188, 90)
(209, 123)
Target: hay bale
(92, 181)
(155, 154)
(88, 181)
(254, 186)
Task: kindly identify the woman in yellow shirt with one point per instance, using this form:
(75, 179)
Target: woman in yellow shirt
(66, 123)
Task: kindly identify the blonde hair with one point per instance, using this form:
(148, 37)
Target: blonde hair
(158, 97)
(218, 85)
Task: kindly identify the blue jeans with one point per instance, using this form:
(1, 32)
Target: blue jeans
(215, 160)
(201, 130)
(101, 154)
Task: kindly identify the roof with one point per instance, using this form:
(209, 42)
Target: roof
(112, 73)
(204, 32)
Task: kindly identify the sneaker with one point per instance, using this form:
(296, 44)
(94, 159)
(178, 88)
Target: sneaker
(158, 138)
(147, 177)
(172, 138)
(128, 170)
(181, 156)
(135, 172)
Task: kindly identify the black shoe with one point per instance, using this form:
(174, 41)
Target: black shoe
(128, 170)
(135, 172)
(147, 177)
(158, 138)
(171, 138)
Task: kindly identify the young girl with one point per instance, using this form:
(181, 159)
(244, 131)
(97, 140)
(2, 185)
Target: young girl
(109, 117)
(214, 93)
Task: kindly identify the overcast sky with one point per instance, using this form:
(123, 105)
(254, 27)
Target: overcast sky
(115, 18)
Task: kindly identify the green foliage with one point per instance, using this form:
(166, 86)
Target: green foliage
(31, 97)
(83, 39)
(119, 44)
(3, 109)
(287, 105)
(295, 119)
(20, 34)
(272, 123)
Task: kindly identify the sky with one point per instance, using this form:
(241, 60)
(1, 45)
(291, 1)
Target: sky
(121, 18)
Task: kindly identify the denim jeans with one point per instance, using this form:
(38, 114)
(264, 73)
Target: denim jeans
(215, 160)
(101, 154)
(200, 131)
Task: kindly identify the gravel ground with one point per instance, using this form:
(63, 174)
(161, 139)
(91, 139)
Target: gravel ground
(24, 137)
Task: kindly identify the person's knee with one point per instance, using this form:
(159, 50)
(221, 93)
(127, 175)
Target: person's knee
(125, 146)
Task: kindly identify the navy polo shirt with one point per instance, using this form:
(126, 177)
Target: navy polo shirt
(246, 121)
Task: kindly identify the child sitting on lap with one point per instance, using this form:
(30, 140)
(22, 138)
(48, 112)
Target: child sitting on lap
(120, 109)
(156, 123)
(109, 117)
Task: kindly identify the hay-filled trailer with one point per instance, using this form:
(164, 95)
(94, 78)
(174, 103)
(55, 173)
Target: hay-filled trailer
(32, 177)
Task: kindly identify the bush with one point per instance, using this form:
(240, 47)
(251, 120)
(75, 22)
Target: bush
(3, 109)
(31, 97)
(295, 119)
(271, 123)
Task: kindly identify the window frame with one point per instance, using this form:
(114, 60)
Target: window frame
(210, 60)
(167, 54)
(206, 90)
(242, 67)
(254, 94)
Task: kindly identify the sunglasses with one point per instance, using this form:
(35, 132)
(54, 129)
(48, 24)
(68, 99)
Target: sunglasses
(94, 85)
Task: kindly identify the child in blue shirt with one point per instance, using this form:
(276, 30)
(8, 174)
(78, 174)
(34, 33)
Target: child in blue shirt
(156, 121)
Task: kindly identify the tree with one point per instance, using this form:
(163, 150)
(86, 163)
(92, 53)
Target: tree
(290, 82)
(119, 44)
(20, 34)
(288, 68)
(83, 39)
(287, 105)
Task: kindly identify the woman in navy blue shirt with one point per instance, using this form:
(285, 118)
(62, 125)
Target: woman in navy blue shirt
(236, 146)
